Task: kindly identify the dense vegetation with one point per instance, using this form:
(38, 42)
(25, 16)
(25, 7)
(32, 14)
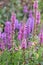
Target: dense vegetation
(21, 32)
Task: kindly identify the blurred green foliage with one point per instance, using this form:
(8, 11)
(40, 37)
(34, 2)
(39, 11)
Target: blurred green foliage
(32, 57)
(13, 5)
(5, 12)
(41, 8)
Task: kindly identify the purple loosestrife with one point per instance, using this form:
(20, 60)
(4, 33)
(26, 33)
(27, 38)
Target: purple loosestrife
(2, 46)
(8, 27)
(16, 24)
(23, 36)
(25, 9)
(13, 18)
(35, 5)
(25, 31)
(30, 23)
(8, 31)
(37, 17)
(20, 33)
(19, 25)
(4, 38)
(41, 36)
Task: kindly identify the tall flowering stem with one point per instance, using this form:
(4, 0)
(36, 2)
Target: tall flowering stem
(2, 46)
(37, 20)
(7, 34)
(30, 23)
(24, 44)
(41, 37)
(20, 34)
(35, 6)
(13, 17)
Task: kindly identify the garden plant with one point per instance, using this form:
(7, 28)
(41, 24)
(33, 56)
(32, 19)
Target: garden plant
(21, 32)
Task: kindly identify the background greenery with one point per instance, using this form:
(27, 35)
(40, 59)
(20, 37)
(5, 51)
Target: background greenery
(32, 56)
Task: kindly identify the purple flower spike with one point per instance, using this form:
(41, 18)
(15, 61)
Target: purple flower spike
(30, 13)
(30, 24)
(20, 33)
(13, 17)
(16, 23)
(38, 17)
(25, 9)
(41, 36)
(19, 25)
(35, 5)
(2, 46)
(4, 38)
(8, 27)
(25, 31)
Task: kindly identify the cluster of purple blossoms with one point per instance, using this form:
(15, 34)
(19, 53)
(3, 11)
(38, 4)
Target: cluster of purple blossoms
(41, 36)
(37, 13)
(20, 33)
(35, 5)
(25, 29)
(37, 17)
(2, 45)
(30, 23)
(5, 37)
(8, 31)
(17, 25)
(25, 9)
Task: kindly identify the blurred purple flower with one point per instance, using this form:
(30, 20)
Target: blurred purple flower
(35, 5)
(25, 9)
(13, 17)
(20, 33)
(37, 17)
(30, 23)
(41, 36)
(4, 38)
(8, 32)
(19, 25)
(30, 13)
(2, 46)
(8, 27)
(16, 23)
(25, 31)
